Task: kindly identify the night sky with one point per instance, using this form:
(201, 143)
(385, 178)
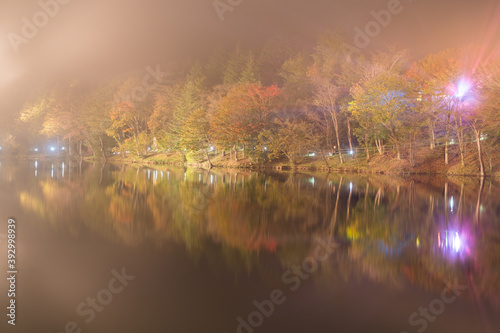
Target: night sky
(98, 38)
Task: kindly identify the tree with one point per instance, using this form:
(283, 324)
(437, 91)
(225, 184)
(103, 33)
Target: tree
(297, 85)
(383, 100)
(291, 138)
(191, 97)
(486, 117)
(196, 134)
(129, 119)
(432, 77)
(162, 118)
(96, 116)
(326, 98)
(32, 115)
(242, 114)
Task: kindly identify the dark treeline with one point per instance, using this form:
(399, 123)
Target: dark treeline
(278, 101)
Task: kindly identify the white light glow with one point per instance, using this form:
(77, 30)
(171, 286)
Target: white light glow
(463, 87)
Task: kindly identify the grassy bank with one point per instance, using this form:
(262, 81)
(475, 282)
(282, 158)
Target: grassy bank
(427, 161)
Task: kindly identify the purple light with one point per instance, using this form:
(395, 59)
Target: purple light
(463, 87)
(453, 244)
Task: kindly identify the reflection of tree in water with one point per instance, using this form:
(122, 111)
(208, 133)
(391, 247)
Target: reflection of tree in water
(388, 227)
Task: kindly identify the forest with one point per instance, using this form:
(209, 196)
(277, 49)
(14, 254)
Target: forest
(279, 101)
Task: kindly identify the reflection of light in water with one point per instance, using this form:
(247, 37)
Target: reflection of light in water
(311, 180)
(36, 173)
(451, 204)
(52, 172)
(456, 242)
(62, 166)
(452, 243)
(36, 164)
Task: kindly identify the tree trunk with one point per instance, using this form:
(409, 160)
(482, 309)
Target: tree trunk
(349, 134)
(477, 218)
(336, 128)
(338, 144)
(432, 134)
(380, 146)
(102, 148)
(367, 147)
(326, 161)
(208, 159)
(461, 141)
(235, 154)
(479, 152)
(412, 161)
(446, 138)
(80, 149)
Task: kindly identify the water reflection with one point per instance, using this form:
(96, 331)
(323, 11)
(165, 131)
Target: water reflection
(394, 231)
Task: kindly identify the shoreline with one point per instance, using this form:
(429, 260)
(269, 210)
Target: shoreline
(431, 165)
(428, 163)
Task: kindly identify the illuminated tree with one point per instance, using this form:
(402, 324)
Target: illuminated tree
(242, 114)
(383, 100)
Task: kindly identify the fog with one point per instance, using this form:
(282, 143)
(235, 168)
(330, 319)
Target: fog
(93, 39)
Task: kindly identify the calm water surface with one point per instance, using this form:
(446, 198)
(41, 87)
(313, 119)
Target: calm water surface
(200, 251)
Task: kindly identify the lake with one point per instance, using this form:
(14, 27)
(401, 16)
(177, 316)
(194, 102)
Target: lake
(107, 248)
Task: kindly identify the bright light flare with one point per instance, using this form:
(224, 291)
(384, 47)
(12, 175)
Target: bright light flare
(463, 88)
(456, 242)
